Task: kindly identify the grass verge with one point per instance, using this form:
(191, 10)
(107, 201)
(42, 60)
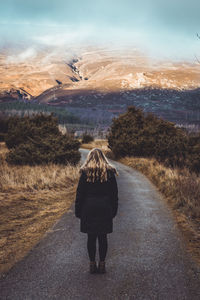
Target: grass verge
(182, 192)
(98, 143)
(31, 200)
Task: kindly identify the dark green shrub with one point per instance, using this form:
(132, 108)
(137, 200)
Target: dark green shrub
(136, 134)
(37, 140)
(20, 129)
(87, 138)
(193, 158)
(3, 127)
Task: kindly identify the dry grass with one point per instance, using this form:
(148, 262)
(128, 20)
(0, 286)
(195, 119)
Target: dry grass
(31, 200)
(97, 143)
(182, 191)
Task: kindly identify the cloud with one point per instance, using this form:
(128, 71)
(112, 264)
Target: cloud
(163, 28)
(22, 56)
(61, 36)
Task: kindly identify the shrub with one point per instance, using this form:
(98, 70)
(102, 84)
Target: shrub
(37, 140)
(20, 130)
(193, 158)
(87, 138)
(3, 127)
(136, 134)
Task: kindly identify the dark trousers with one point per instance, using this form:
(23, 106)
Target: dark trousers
(91, 246)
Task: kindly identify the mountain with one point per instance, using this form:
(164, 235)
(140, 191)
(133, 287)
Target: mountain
(98, 84)
(34, 75)
(95, 69)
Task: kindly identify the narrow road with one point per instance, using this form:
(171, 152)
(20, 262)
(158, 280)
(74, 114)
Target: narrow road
(146, 256)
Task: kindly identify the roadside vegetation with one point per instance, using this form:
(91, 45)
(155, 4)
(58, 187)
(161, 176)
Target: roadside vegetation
(96, 143)
(37, 140)
(181, 189)
(169, 157)
(32, 198)
(140, 134)
(37, 182)
(87, 138)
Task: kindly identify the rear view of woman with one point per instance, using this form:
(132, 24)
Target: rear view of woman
(96, 204)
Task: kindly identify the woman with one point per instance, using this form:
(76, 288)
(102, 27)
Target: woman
(96, 204)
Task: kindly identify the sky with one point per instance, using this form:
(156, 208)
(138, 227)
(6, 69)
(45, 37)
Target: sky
(161, 28)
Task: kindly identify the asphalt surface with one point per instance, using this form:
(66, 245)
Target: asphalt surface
(146, 256)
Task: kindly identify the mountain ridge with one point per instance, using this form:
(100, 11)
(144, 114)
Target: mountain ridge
(100, 70)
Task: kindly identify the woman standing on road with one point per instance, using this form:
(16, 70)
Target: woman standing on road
(96, 204)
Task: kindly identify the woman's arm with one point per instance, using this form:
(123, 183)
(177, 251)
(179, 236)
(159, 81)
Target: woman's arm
(114, 195)
(79, 196)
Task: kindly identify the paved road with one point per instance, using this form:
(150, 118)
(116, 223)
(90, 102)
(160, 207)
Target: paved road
(146, 256)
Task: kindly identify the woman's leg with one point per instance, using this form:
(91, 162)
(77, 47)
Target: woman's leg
(91, 246)
(103, 246)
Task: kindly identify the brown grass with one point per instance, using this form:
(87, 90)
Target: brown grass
(182, 191)
(97, 143)
(31, 200)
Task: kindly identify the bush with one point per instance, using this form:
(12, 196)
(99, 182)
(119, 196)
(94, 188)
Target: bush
(3, 127)
(37, 140)
(193, 158)
(87, 138)
(20, 130)
(136, 134)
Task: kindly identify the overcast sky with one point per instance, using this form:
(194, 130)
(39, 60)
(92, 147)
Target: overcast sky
(165, 28)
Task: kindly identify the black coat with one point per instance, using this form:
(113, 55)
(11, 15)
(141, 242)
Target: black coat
(96, 204)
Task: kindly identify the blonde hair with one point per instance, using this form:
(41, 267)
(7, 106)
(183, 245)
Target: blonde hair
(96, 166)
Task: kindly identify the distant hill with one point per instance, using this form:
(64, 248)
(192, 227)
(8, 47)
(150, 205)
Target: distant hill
(101, 70)
(100, 84)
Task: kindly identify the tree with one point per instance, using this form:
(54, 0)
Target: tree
(87, 138)
(3, 127)
(193, 158)
(37, 140)
(135, 133)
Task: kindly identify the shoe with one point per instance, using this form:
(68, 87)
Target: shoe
(93, 267)
(101, 267)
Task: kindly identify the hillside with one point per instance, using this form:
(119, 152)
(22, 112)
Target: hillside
(101, 70)
(101, 83)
